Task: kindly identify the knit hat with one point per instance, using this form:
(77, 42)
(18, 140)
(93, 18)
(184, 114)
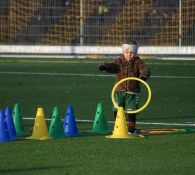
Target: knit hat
(130, 47)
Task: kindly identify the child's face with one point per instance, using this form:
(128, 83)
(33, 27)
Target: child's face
(128, 55)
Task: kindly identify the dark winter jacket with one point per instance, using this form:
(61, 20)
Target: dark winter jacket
(123, 69)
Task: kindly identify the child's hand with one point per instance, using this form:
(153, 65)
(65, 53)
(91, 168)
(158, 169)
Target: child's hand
(102, 67)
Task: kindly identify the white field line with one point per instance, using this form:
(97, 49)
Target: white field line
(172, 64)
(52, 61)
(141, 123)
(57, 74)
(87, 62)
(88, 75)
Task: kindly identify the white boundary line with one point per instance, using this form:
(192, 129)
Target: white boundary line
(88, 75)
(141, 123)
(57, 74)
(90, 62)
(55, 61)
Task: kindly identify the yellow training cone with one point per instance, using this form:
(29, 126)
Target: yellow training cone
(120, 127)
(40, 128)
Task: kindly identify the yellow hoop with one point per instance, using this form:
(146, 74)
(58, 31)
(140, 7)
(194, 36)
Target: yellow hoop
(132, 78)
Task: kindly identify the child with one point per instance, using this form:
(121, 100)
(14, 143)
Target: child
(128, 65)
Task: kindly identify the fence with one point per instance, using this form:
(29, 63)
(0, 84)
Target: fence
(97, 22)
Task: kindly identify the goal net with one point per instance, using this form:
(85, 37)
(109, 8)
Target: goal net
(95, 23)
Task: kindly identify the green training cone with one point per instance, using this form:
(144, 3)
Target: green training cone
(100, 125)
(18, 120)
(56, 126)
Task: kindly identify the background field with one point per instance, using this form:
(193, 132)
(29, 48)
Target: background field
(59, 82)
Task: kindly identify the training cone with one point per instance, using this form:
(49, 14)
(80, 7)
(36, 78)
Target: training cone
(56, 126)
(120, 127)
(70, 127)
(100, 125)
(10, 123)
(4, 133)
(17, 120)
(40, 131)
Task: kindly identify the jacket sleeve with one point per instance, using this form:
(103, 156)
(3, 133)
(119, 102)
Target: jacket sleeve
(144, 71)
(112, 67)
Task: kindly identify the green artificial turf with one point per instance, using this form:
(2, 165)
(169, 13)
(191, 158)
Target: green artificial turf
(74, 82)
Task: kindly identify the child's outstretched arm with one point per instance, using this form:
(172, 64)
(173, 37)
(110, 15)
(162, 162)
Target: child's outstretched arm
(109, 67)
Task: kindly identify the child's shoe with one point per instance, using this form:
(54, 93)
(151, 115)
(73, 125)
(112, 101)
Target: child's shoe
(132, 131)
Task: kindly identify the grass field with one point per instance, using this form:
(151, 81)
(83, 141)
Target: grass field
(59, 82)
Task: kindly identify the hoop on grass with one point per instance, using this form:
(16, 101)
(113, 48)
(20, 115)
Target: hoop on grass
(137, 79)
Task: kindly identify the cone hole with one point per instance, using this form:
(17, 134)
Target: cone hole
(116, 126)
(98, 112)
(68, 113)
(54, 116)
(97, 122)
(66, 123)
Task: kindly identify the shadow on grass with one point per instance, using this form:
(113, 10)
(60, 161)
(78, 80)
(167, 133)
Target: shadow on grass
(31, 169)
(80, 135)
(91, 134)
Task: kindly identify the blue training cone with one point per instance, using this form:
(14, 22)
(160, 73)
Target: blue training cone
(10, 123)
(4, 134)
(70, 127)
